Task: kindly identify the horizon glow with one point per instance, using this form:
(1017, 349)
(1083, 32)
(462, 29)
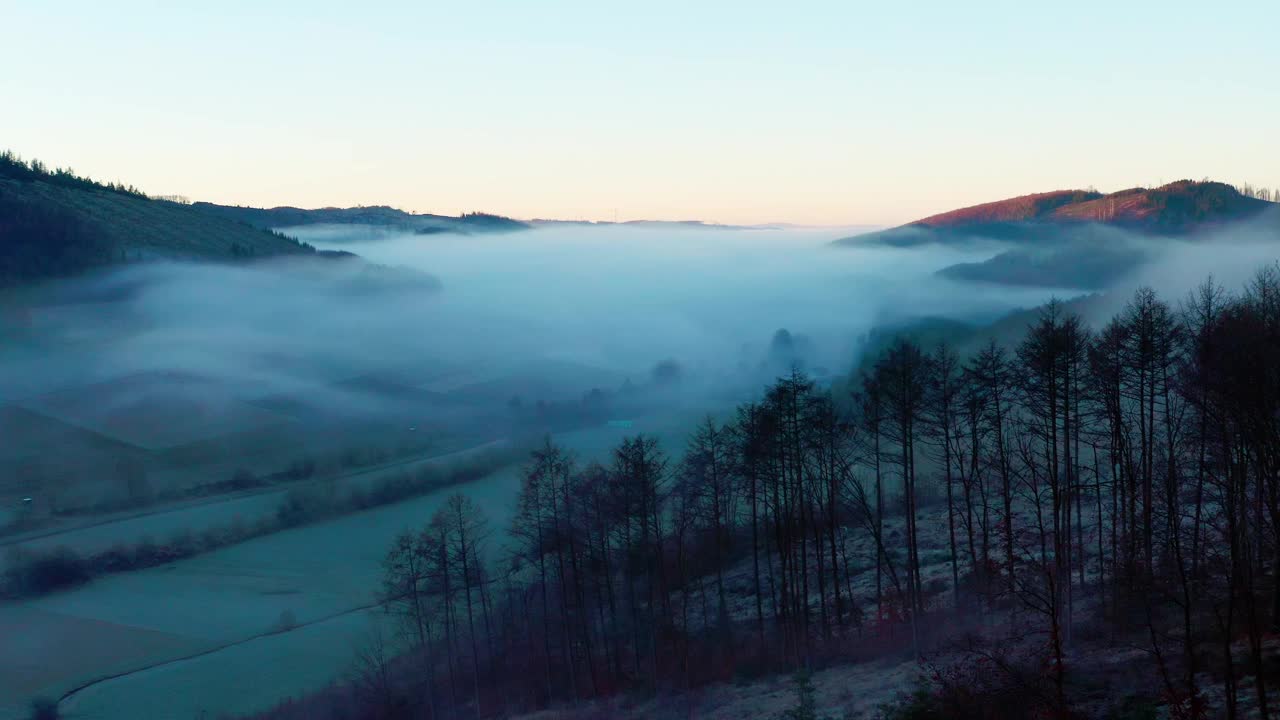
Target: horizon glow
(820, 113)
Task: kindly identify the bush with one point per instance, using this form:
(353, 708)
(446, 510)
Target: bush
(117, 559)
(980, 687)
(667, 372)
(1135, 708)
(41, 573)
(183, 543)
(806, 706)
(243, 478)
(920, 704)
(31, 574)
(301, 469)
(145, 553)
(287, 621)
(305, 504)
(44, 709)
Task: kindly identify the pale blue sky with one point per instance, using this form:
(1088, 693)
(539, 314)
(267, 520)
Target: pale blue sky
(811, 112)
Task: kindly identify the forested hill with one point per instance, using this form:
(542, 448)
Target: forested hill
(54, 223)
(379, 215)
(1178, 208)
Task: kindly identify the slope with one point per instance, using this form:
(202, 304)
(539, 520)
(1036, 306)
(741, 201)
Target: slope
(56, 224)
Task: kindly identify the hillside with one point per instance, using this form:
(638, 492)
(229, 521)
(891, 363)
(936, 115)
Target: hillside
(378, 215)
(1079, 239)
(1176, 207)
(55, 224)
(1024, 208)
(653, 224)
(1181, 207)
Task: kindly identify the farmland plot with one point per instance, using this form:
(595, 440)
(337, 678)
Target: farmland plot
(131, 621)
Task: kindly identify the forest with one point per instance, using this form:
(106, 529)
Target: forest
(1008, 512)
(13, 167)
(57, 224)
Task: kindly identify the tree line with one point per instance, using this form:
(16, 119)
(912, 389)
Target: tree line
(13, 167)
(1259, 193)
(1125, 476)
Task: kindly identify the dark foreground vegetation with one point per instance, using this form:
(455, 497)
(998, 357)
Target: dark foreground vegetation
(1004, 518)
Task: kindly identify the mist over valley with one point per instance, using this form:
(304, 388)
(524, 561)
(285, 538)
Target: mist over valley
(517, 361)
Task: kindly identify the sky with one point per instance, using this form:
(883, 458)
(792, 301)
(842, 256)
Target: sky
(830, 113)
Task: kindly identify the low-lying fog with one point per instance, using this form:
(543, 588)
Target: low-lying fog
(610, 298)
(628, 297)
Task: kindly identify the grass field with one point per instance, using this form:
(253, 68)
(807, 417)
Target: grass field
(226, 607)
(155, 410)
(214, 600)
(42, 648)
(239, 679)
(218, 512)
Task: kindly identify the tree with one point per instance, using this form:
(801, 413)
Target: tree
(901, 375)
(753, 436)
(706, 473)
(941, 414)
(405, 573)
(1133, 472)
(641, 472)
(991, 375)
(464, 530)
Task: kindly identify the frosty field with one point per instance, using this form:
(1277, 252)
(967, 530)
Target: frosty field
(130, 621)
(228, 608)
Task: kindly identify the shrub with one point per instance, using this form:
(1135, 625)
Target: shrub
(44, 709)
(980, 687)
(41, 573)
(117, 559)
(806, 706)
(145, 553)
(287, 621)
(301, 469)
(919, 704)
(243, 478)
(1135, 708)
(667, 372)
(183, 543)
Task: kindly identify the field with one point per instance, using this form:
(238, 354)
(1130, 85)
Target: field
(209, 631)
(215, 512)
(132, 442)
(155, 411)
(202, 604)
(239, 628)
(243, 677)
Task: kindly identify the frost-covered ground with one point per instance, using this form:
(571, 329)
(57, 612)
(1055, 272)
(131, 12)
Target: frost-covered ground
(162, 525)
(227, 606)
(854, 691)
(238, 679)
(129, 621)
